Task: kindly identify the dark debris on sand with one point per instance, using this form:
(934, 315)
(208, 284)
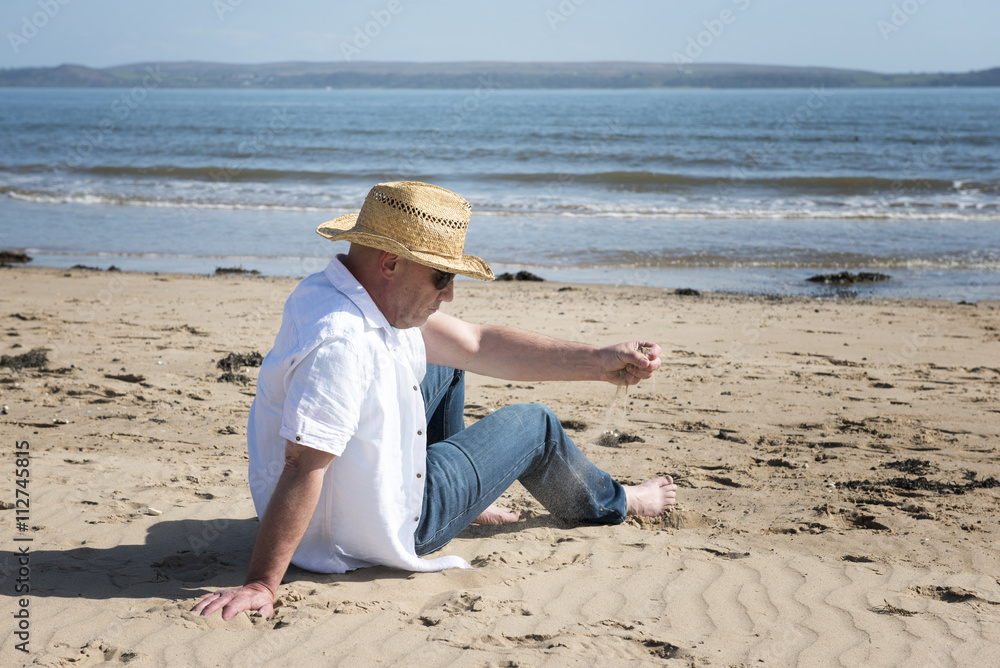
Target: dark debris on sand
(687, 292)
(126, 377)
(912, 466)
(36, 358)
(613, 438)
(224, 271)
(236, 361)
(14, 257)
(922, 484)
(575, 425)
(847, 278)
(84, 267)
(238, 378)
(519, 276)
(889, 609)
(233, 363)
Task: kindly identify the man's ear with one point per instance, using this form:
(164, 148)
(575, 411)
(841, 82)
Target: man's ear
(388, 265)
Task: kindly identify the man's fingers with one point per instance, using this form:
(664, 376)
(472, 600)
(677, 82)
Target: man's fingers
(235, 607)
(233, 603)
(635, 373)
(632, 375)
(230, 611)
(210, 605)
(633, 362)
(648, 350)
(204, 601)
(638, 358)
(645, 355)
(630, 363)
(651, 361)
(211, 602)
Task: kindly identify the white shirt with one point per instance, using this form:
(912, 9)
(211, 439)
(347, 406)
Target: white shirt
(342, 380)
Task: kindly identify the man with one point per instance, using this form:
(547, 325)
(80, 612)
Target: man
(359, 454)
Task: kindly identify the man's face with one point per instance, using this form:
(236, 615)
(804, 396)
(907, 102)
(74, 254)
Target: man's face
(416, 295)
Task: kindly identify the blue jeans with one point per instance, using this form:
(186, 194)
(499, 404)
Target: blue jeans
(468, 469)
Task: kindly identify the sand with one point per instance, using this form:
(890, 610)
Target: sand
(795, 540)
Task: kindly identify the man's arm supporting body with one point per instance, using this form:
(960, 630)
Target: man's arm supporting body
(515, 354)
(281, 529)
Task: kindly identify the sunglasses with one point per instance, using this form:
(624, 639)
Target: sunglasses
(443, 279)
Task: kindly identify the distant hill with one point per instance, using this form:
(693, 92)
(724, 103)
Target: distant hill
(476, 74)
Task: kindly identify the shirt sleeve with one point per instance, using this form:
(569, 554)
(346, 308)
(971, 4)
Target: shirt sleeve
(325, 393)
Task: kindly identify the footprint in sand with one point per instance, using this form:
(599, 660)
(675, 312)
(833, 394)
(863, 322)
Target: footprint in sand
(96, 652)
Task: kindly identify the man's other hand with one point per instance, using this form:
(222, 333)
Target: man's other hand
(234, 601)
(628, 363)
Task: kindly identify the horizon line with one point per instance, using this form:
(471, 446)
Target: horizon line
(481, 62)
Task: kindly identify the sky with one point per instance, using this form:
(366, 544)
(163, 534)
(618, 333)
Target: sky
(878, 35)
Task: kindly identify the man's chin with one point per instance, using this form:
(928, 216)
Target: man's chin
(412, 323)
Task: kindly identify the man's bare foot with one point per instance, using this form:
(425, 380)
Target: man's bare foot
(497, 515)
(651, 497)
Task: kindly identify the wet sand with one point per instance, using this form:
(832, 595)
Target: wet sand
(834, 462)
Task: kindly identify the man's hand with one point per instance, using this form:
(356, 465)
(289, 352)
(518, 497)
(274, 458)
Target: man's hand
(252, 596)
(281, 529)
(628, 363)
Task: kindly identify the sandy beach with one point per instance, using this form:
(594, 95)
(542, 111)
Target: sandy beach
(837, 464)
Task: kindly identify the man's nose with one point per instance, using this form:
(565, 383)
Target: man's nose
(448, 294)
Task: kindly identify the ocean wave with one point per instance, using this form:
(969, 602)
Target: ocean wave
(173, 256)
(311, 202)
(235, 170)
(122, 200)
(222, 173)
(921, 212)
(724, 183)
(818, 262)
(624, 260)
(737, 178)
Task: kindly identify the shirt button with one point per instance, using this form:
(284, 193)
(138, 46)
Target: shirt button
(414, 388)
(298, 438)
(420, 475)
(416, 519)
(420, 433)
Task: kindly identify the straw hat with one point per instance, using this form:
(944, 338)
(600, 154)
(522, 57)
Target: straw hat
(418, 221)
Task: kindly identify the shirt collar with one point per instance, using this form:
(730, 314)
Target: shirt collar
(343, 280)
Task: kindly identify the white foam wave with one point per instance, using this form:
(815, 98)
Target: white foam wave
(983, 213)
(976, 263)
(800, 209)
(91, 199)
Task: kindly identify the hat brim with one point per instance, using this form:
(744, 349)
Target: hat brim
(343, 228)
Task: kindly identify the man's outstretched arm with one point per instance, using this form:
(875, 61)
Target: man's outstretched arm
(516, 354)
(281, 529)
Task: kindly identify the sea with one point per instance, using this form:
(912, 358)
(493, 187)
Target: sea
(745, 191)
